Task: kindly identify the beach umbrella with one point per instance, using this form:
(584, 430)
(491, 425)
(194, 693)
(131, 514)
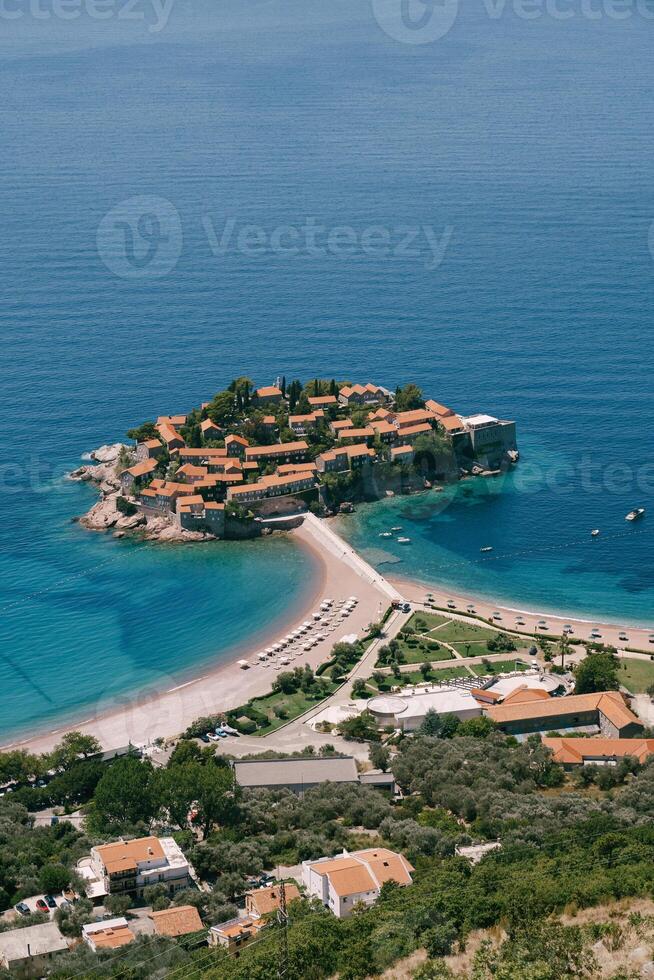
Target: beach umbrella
(470, 607)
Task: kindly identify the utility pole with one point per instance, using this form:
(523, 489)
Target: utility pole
(282, 919)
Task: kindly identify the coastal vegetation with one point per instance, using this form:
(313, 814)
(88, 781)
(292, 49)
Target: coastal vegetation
(567, 843)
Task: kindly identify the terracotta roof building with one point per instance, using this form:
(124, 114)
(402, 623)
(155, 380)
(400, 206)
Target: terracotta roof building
(571, 752)
(343, 882)
(264, 901)
(605, 710)
(179, 920)
(107, 934)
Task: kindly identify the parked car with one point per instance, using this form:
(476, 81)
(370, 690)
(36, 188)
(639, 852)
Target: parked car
(212, 736)
(54, 821)
(64, 904)
(204, 738)
(50, 901)
(41, 905)
(22, 908)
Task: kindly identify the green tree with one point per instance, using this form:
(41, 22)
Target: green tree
(124, 797)
(143, 432)
(118, 904)
(597, 672)
(379, 756)
(222, 408)
(425, 669)
(408, 398)
(54, 878)
(72, 746)
(216, 795)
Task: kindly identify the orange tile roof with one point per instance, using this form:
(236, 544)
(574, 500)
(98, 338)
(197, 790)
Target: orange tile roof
(525, 693)
(352, 880)
(365, 433)
(451, 423)
(359, 449)
(188, 469)
(285, 481)
(143, 468)
(415, 430)
(401, 451)
(177, 921)
(151, 444)
(323, 400)
(609, 703)
(136, 851)
(269, 420)
(575, 750)
(416, 415)
(270, 392)
(437, 408)
(364, 870)
(382, 427)
(285, 468)
(489, 696)
(169, 434)
(239, 439)
(208, 424)
(277, 449)
(266, 900)
(112, 937)
(341, 424)
(213, 505)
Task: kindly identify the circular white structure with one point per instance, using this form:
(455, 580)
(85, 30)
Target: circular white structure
(385, 709)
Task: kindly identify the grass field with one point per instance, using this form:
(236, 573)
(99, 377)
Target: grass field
(468, 639)
(415, 677)
(292, 704)
(636, 675)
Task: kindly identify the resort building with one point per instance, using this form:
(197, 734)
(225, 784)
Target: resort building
(179, 920)
(127, 867)
(170, 437)
(402, 454)
(338, 425)
(344, 458)
(409, 434)
(264, 901)
(436, 409)
(268, 396)
(235, 934)
(107, 934)
(292, 483)
(173, 420)
(298, 775)
(451, 425)
(362, 395)
(203, 457)
(140, 471)
(269, 422)
(404, 420)
(343, 882)
(408, 709)
(209, 517)
(210, 430)
(151, 448)
(30, 952)
(571, 752)
(490, 438)
(356, 435)
(605, 710)
(247, 493)
(305, 468)
(384, 429)
(300, 423)
(323, 401)
(236, 445)
(287, 452)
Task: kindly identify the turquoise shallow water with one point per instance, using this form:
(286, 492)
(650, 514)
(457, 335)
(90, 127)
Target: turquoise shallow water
(532, 140)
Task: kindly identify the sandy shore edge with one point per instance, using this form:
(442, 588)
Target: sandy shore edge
(145, 716)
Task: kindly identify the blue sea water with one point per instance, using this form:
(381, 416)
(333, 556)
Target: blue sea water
(519, 156)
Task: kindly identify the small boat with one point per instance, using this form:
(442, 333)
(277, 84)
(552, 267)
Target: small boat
(594, 532)
(385, 534)
(487, 548)
(404, 540)
(395, 529)
(633, 515)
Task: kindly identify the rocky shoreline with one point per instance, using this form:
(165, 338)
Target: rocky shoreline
(105, 516)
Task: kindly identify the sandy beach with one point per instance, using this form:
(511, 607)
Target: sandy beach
(145, 717)
(342, 573)
(638, 637)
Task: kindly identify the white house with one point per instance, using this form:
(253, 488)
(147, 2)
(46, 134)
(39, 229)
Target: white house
(343, 882)
(129, 866)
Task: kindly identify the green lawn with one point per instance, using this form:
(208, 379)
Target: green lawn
(294, 704)
(423, 651)
(415, 677)
(497, 667)
(636, 675)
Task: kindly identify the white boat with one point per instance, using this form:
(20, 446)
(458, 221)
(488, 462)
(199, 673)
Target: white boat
(633, 515)
(396, 529)
(595, 532)
(487, 548)
(404, 540)
(385, 534)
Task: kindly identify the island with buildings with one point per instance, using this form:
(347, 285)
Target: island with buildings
(240, 464)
